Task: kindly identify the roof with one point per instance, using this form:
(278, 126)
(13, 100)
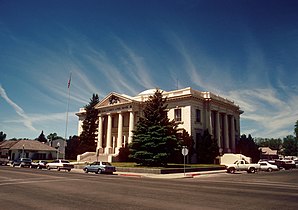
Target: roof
(268, 151)
(27, 144)
(149, 92)
(7, 144)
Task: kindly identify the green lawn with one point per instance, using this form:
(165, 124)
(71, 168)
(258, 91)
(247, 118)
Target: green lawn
(170, 165)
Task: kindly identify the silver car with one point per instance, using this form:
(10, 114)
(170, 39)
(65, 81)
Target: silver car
(266, 166)
(100, 167)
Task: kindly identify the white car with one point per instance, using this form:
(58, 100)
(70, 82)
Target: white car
(265, 166)
(59, 164)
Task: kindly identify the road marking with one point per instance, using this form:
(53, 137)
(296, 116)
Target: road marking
(36, 181)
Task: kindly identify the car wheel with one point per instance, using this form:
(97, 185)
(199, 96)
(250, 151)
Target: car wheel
(98, 171)
(58, 168)
(48, 167)
(252, 170)
(68, 170)
(269, 169)
(86, 170)
(231, 170)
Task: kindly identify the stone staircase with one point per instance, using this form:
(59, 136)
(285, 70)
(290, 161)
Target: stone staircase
(91, 157)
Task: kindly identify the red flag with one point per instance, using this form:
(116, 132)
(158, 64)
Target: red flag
(68, 85)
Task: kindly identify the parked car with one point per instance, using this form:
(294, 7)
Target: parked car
(60, 164)
(266, 166)
(100, 167)
(39, 165)
(285, 164)
(4, 161)
(296, 163)
(22, 162)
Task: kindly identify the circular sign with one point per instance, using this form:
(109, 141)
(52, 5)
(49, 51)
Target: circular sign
(184, 151)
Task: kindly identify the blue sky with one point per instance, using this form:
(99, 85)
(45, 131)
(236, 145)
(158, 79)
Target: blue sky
(246, 51)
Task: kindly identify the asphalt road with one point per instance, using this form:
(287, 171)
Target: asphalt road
(24, 188)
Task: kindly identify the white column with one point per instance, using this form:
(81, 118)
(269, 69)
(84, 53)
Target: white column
(109, 134)
(208, 121)
(217, 129)
(233, 146)
(226, 134)
(99, 135)
(131, 126)
(120, 132)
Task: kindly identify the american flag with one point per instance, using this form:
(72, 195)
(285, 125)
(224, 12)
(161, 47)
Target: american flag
(68, 85)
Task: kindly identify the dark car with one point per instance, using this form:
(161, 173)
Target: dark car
(100, 167)
(22, 162)
(285, 164)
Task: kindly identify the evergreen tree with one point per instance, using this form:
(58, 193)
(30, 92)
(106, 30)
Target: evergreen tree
(2, 136)
(296, 137)
(206, 148)
(90, 126)
(289, 146)
(72, 149)
(248, 147)
(184, 139)
(42, 138)
(154, 140)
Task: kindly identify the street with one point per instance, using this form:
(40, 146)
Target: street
(25, 188)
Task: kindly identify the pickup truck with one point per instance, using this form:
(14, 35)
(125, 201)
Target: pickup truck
(60, 164)
(242, 165)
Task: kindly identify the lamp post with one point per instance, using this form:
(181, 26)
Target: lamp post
(23, 151)
(58, 145)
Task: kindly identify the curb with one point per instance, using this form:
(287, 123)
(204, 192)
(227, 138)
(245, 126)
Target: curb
(131, 175)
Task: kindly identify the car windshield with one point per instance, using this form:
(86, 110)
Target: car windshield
(64, 161)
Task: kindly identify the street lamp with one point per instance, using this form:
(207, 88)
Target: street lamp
(23, 151)
(58, 145)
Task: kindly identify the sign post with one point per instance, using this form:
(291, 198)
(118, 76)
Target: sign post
(184, 153)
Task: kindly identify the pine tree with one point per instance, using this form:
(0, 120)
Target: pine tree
(2, 136)
(90, 126)
(154, 140)
(42, 138)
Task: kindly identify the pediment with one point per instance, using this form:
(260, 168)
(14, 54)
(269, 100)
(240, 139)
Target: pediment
(114, 99)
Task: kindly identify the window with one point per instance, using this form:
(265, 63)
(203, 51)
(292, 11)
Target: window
(198, 115)
(177, 114)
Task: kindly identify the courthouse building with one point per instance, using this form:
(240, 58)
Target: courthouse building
(195, 110)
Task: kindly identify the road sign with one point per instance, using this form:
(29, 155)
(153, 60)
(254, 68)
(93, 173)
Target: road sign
(184, 151)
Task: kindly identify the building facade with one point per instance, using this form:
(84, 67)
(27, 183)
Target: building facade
(195, 110)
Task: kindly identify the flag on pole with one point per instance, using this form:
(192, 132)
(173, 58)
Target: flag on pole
(68, 85)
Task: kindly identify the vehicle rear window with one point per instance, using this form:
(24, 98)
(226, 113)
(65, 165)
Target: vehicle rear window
(26, 160)
(106, 163)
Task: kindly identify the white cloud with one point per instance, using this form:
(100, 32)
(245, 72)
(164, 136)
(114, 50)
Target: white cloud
(271, 115)
(25, 119)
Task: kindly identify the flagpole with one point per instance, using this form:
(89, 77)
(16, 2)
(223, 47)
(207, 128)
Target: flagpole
(67, 110)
